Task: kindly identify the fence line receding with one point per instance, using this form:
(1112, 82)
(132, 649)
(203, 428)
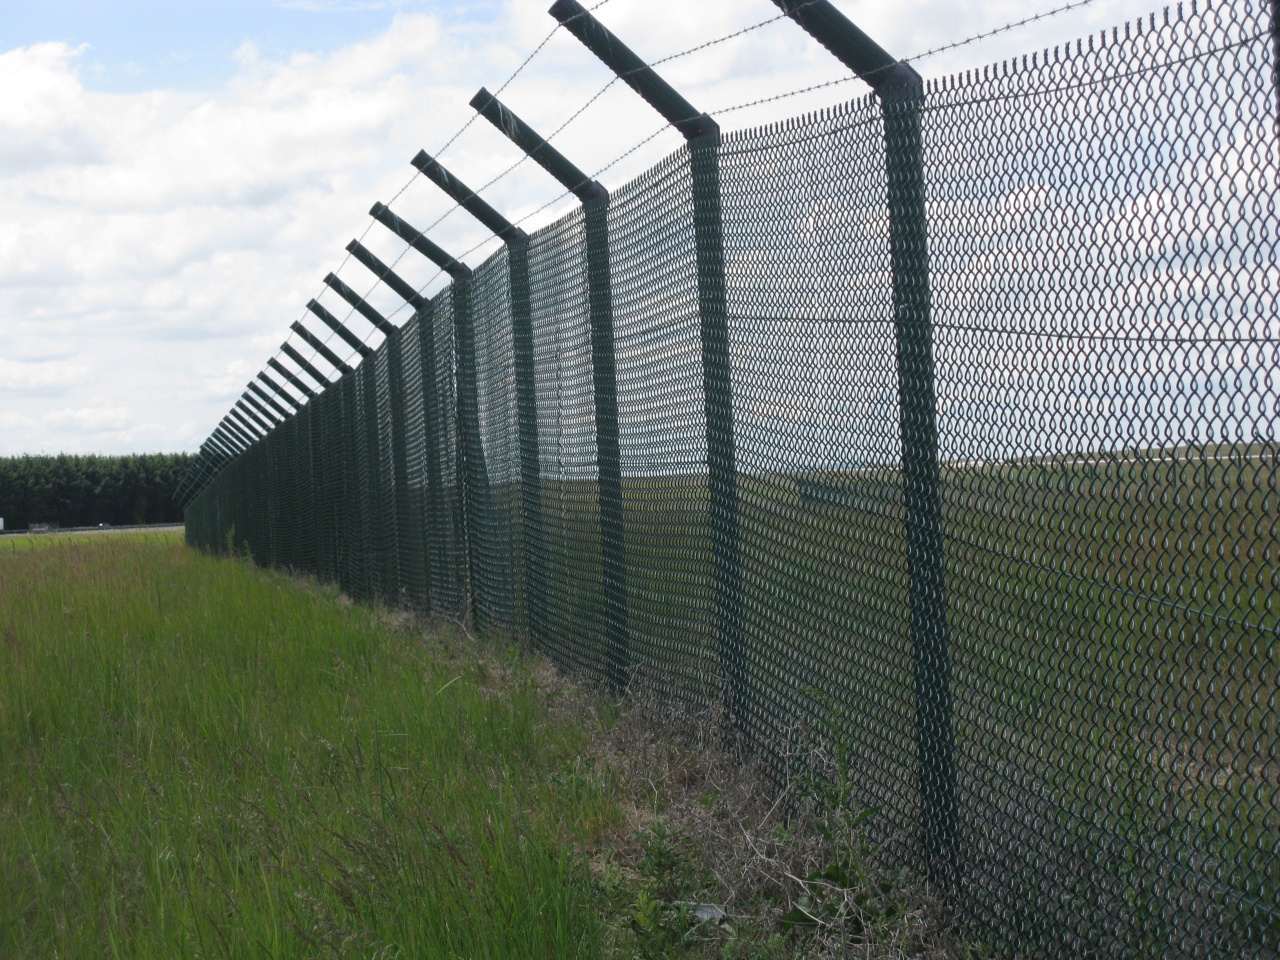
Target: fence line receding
(943, 422)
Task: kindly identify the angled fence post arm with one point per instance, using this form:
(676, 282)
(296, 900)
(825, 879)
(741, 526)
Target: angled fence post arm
(537, 148)
(901, 93)
(249, 416)
(320, 379)
(206, 466)
(338, 327)
(223, 441)
(468, 199)
(210, 455)
(280, 391)
(268, 419)
(292, 379)
(238, 433)
(233, 428)
(702, 135)
(517, 243)
(251, 423)
(595, 202)
(213, 457)
(402, 287)
(361, 305)
(244, 423)
(319, 346)
(419, 241)
(208, 462)
(208, 459)
(266, 398)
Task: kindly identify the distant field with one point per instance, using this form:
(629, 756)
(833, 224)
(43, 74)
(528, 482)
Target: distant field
(17, 542)
(1115, 661)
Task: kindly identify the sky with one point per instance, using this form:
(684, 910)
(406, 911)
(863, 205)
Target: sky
(177, 178)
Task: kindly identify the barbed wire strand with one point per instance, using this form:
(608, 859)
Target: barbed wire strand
(1043, 15)
(278, 355)
(975, 38)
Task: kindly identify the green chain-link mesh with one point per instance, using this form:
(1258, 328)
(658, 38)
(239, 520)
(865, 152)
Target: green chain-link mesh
(975, 472)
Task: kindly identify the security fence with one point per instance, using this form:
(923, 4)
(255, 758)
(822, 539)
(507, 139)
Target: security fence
(942, 423)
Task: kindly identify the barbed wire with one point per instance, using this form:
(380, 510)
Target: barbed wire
(849, 78)
(328, 340)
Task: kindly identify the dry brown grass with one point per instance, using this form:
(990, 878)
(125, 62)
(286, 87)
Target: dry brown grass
(755, 850)
(700, 824)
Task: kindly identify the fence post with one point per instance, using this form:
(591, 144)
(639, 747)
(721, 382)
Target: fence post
(703, 137)
(431, 503)
(476, 493)
(901, 93)
(527, 417)
(525, 382)
(472, 477)
(595, 209)
(406, 526)
(378, 522)
(613, 545)
(409, 545)
(708, 229)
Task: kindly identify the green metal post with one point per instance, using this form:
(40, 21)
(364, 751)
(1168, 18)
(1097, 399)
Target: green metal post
(901, 93)
(717, 392)
(472, 477)
(1275, 58)
(379, 525)
(476, 498)
(526, 390)
(608, 454)
(408, 520)
(351, 556)
(433, 506)
(703, 136)
(595, 200)
(527, 424)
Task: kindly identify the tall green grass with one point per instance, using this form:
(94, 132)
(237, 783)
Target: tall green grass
(201, 759)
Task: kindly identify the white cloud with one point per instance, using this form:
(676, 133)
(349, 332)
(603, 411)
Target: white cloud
(154, 247)
(57, 376)
(89, 419)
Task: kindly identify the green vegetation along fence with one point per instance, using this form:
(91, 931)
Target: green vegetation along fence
(973, 468)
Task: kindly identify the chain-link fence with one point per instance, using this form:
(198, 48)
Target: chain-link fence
(975, 472)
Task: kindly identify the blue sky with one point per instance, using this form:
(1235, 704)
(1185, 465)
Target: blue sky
(142, 45)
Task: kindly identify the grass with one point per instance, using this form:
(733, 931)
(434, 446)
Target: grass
(199, 758)
(14, 543)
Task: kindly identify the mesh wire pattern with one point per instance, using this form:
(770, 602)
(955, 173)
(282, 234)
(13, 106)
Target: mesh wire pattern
(945, 427)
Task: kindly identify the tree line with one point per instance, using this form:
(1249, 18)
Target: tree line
(84, 491)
